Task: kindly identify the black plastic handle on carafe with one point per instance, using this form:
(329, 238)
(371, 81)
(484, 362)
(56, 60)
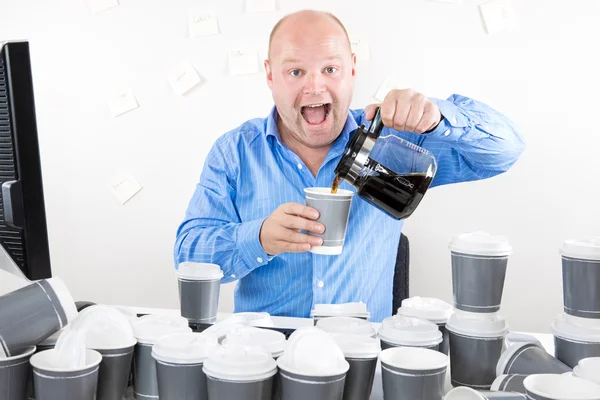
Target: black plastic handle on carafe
(376, 124)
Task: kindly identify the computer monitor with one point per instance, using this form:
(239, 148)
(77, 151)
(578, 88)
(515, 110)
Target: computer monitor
(23, 230)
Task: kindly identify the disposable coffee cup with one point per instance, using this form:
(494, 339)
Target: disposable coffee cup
(179, 361)
(476, 344)
(361, 352)
(413, 373)
(240, 372)
(560, 387)
(509, 383)
(347, 325)
(408, 331)
(353, 309)
(431, 309)
(14, 374)
(148, 330)
(54, 381)
(312, 366)
(588, 368)
(529, 359)
(581, 277)
(575, 338)
(32, 313)
(108, 331)
(334, 212)
(466, 393)
(199, 287)
(479, 263)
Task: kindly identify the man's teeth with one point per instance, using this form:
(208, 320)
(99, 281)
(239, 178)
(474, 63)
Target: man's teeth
(315, 105)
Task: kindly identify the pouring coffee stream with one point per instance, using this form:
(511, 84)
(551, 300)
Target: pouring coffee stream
(389, 172)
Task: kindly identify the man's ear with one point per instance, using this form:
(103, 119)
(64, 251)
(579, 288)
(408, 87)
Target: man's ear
(353, 64)
(269, 73)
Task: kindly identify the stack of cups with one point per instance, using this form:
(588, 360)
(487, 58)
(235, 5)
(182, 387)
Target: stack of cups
(240, 372)
(351, 325)
(355, 310)
(179, 361)
(409, 332)
(148, 330)
(312, 367)
(577, 331)
(478, 332)
(199, 288)
(433, 310)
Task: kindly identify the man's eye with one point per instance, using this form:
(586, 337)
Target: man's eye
(295, 72)
(330, 70)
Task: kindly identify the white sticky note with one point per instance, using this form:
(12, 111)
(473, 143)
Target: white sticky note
(98, 6)
(459, 2)
(203, 22)
(124, 186)
(360, 46)
(121, 102)
(243, 61)
(498, 16)
(389, 83)
(260, 6)
(183, 78)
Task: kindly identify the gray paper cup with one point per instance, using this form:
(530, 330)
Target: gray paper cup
(581, 277)
(240, 372)
(199, 288)
(478, 270)
(179, 361)
(476, 344)
(113, 375)
(32, 313)
(529, 359)
(466, 393)
(302, 387)
(575, 338)
(334, 212)
(413, 373)
(52, 383)
(509, 383)
(14, 374)
(560, 387)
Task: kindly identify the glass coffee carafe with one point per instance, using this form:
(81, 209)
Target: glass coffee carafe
(389, 172)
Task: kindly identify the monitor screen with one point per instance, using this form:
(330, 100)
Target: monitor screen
(23, 232)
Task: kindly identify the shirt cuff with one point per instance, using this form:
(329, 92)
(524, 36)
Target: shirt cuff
(453, 125)
(248, 242)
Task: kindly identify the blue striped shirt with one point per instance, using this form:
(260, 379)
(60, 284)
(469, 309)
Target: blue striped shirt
(249, 172)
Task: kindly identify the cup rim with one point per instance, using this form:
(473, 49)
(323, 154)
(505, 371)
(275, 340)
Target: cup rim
(532, 380)
(325, 191)
(508, 354)
(462, 390)
(30, 350)
(93, 356)
(408, 355)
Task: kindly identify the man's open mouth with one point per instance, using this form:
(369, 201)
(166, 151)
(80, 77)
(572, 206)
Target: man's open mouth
(316, 114)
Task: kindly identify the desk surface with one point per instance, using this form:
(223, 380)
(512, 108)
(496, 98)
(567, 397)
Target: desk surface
(545, 339)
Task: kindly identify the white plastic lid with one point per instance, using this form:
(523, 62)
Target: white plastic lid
(104, 328)
(251, 318)
(431, 309)
(199, 271)
(149, 328)
(313, 352)
(464, 393)
(340, 310)
(357, 346)
(585, 249)
(563, 387)
(588, 368)
(51, 340)
(184, 348)
(64, 297)
(240, 363)
(409, 331)
(487, 325)
(414, 358)
(347, 325)
(481, 243)
(565, 328)
(507, 355)
(272, 341)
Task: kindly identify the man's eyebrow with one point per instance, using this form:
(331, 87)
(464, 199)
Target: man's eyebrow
(292, 60)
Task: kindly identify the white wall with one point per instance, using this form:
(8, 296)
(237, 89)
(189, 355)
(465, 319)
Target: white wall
(543, 75)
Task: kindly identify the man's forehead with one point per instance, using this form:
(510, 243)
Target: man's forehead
(325, 48)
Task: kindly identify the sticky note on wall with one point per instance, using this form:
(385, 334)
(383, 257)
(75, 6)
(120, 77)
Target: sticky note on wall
(124, 186)
(389, 83)
(121, 102)
(243, 61)
(360, 46)
(203, 22)
(260, 6)
(184, 78)
(498, 16)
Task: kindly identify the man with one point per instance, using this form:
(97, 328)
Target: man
(248, 211)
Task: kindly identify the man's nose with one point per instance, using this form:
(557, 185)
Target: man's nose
(314, 85)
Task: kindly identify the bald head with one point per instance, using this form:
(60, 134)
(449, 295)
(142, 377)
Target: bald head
(310, 20)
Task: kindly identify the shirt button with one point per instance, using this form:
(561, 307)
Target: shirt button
(299, 166)
(233, 275)
(447, 132)
(320, 284)
(259, 259)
